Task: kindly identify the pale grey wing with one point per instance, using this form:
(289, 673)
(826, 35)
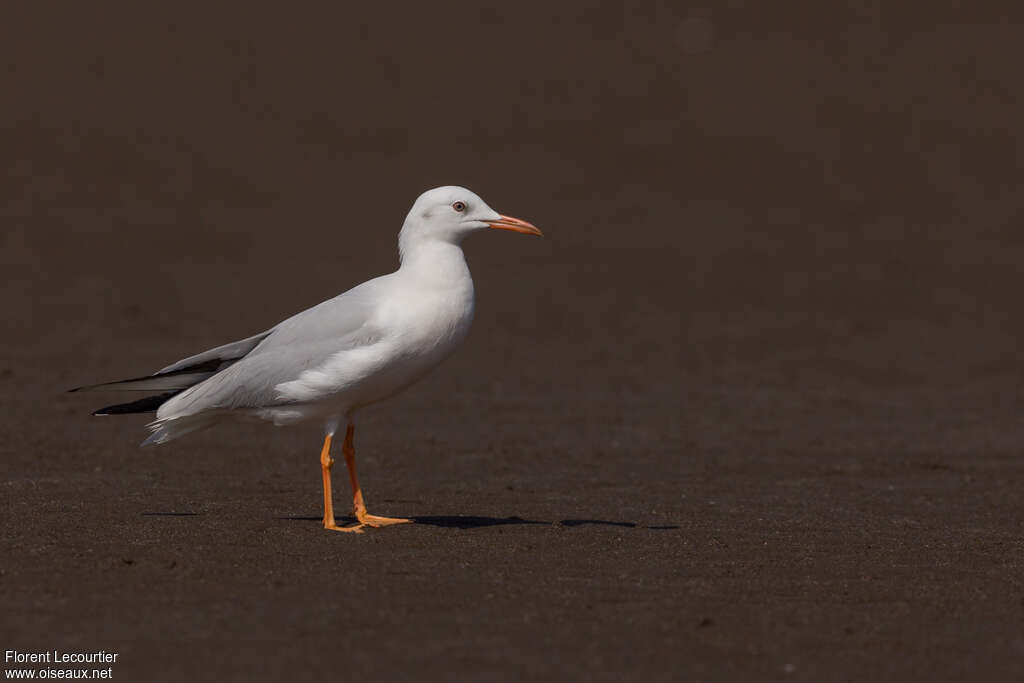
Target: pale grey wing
(228, 352)
(304, 341)
(250, 383)
(185, 372)
(253, 381)
(335, 319)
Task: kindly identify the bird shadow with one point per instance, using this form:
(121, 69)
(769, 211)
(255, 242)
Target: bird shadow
(471, 521)
(169, 514)
(479, 522)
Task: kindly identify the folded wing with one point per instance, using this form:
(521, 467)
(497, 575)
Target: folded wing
(176, 377)
(286, 350)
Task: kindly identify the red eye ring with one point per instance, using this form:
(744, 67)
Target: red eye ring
(459, 206)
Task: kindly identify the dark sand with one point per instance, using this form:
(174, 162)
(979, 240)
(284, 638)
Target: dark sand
(752, 410)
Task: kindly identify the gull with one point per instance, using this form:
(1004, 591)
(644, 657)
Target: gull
(328, 361)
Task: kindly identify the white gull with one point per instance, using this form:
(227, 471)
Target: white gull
(329, 361)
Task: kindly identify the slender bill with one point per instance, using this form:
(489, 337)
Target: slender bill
(516, 225)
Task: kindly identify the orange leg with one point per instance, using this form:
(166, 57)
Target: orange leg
(365, 519)
(325, 465)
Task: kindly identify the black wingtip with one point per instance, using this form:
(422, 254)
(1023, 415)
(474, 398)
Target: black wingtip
(143, 405)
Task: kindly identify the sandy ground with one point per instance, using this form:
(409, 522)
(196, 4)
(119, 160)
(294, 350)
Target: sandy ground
(750, 411)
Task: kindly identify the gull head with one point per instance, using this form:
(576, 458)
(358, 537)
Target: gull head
(450, 213)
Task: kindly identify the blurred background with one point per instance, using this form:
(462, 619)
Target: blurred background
(778, 301)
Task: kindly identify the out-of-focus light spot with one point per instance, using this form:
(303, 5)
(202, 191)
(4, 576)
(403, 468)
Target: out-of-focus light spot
(695, 35)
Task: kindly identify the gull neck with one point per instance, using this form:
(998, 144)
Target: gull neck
(433, 260)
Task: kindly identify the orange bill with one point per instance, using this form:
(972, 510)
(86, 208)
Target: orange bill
(516, 225)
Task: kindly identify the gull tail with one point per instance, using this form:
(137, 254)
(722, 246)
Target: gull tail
(173, 380)
(171, 428)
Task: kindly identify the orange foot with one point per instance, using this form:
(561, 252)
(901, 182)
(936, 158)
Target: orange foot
(366, 519)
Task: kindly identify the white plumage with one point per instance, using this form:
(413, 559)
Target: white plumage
(348, 352)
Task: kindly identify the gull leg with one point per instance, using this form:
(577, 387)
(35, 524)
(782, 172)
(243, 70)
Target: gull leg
(325, 465)
(362, 515)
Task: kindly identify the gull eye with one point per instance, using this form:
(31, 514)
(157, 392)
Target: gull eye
(459, 206)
